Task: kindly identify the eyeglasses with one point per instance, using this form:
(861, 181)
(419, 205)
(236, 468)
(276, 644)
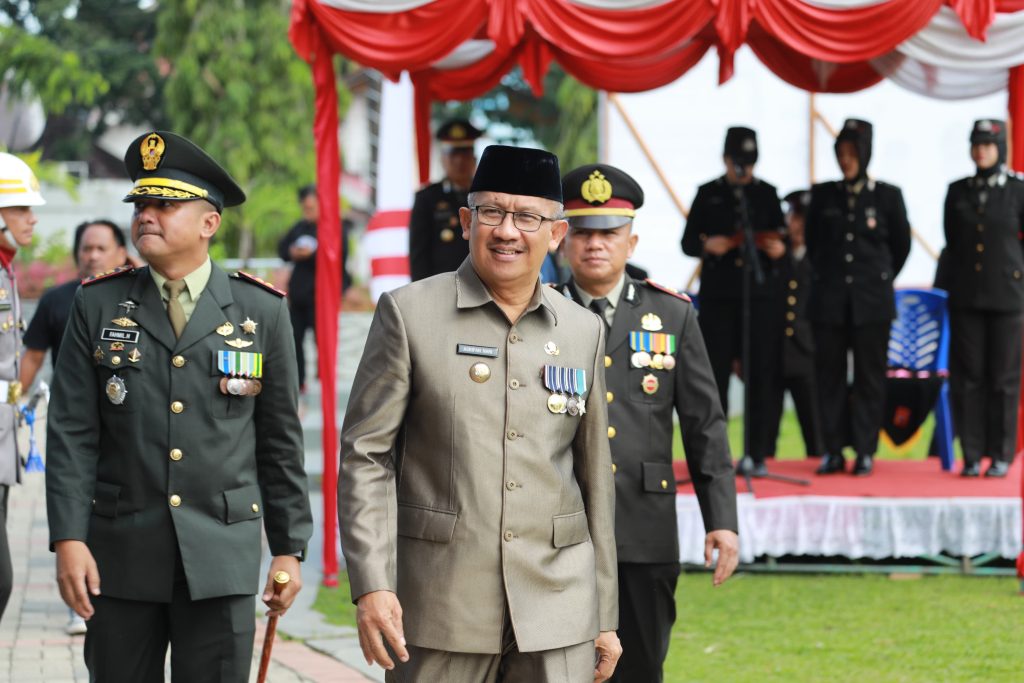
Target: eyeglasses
(523, 220)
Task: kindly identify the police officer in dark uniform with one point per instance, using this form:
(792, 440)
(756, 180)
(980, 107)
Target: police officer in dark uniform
(858, 238)
(798, 372)
(435, 236)
(656, 364)
(984, 216)
(714, 233)
(174, 439)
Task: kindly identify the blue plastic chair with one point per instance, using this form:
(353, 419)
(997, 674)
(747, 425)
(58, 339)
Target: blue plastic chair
(919, 343)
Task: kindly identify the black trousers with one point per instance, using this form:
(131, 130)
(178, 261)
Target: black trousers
(211, 640)
(852, 413)
(984, 374)
(721, 322)
(804, 390)
(303, 315)
(647, 611)
(6, 570)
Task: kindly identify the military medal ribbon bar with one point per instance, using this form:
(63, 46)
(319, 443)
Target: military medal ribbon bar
(561, 381)
(239, 364)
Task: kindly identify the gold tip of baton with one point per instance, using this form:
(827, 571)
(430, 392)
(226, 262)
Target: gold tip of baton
(282, 578)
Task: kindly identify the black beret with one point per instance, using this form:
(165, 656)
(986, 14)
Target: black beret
(518, 171)
(600, 197)
(988, 130)
(741, 144)
(458, 133)
(167, 166)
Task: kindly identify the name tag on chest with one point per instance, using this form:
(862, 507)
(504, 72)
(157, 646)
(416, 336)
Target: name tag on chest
(474, 350)
(126, 336)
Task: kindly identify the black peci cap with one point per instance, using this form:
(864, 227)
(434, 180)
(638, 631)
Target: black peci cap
(600, 197)
(741, 145)
(167, 166)
(519, 171)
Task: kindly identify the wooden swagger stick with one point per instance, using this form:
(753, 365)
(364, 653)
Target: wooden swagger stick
(280, 580)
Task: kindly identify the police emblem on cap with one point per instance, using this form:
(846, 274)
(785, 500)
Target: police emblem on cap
(457, 132)
(152, 150)
(851, 125)
(749, 145)
(596, 189)
(985, 126)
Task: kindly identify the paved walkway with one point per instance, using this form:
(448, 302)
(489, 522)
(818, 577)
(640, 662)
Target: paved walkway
(35, 647)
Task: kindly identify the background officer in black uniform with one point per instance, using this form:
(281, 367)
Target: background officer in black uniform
(714, 232)
(435, 235)
(174, 440)
(858, 238)
(655, 364)
(799, 376)
(984, 216)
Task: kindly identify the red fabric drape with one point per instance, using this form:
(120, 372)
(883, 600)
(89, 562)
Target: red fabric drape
(328, 283)
(807, 73)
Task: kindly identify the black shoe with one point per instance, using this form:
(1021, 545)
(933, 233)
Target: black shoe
(831, 464)
(864, 465)
(998, 468)
(971, 469)
(748, 467)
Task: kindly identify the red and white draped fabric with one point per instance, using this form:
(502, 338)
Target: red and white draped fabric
(458, 49)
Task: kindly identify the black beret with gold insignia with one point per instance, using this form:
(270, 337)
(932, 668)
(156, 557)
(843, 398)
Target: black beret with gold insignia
(167, 166)
(519, 171)
(600, 197)
(457, 134)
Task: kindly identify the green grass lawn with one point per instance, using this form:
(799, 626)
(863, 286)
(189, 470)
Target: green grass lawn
(790, 445)
(806, 629)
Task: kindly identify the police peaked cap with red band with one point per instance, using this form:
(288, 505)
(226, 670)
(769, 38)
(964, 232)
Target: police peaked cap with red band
(600, 197)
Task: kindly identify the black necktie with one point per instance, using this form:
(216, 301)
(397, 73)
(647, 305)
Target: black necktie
(599, 306)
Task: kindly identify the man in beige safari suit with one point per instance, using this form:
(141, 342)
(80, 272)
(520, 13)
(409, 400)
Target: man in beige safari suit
(475, 493)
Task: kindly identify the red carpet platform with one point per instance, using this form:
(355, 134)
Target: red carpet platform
(905, 509)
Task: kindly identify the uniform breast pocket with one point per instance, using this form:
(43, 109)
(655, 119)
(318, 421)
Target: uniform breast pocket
(225, 406)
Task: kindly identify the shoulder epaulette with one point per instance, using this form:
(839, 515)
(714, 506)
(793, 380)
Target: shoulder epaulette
(259, 282)
(116, 272)
(668, 290)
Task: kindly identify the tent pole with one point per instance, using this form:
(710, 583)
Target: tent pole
(614, 99)
(811, 114)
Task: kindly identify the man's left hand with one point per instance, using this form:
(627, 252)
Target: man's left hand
(728, 545)
(608, 652)
(280, 603)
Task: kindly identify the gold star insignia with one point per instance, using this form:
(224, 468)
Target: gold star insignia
(249, 325)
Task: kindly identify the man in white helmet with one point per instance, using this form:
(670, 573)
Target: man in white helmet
(19, 192)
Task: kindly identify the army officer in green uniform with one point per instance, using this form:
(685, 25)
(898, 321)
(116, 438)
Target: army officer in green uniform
(655, 365)
(174, 438)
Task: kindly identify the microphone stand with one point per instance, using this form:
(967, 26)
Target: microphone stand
(751, 270)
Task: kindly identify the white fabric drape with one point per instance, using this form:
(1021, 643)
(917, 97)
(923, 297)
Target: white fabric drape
(875, 528)
(468, 53)
(376, 6)
(944, 43)
(942, 83)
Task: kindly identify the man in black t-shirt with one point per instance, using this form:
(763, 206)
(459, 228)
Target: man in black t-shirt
(99, 246)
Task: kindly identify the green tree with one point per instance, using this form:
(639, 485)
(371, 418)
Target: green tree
(88, 61)
(563, 120)
(237, 88)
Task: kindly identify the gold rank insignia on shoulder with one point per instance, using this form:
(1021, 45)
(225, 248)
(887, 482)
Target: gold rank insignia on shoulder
(238, 343)
(650, 322)
(249, 325)
(152, 151)
(124, 322)
(226, 330)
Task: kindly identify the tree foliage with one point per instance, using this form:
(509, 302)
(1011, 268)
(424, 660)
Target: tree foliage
(237, 89)
(563, 120)
(88, 61)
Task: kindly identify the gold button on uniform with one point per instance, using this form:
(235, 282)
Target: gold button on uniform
(664, 484)
(175, 500)
(615, 468)
(977, 267)
(178, 361)
(789, 332)
(115, 360)
(791, 301)
(790, 315)
(981, 248)
(176, 454)
(793, 284)
(611, 432)
(609, 397)
(607, 361)
(255, 507)
(511, 486)
(177, 407)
